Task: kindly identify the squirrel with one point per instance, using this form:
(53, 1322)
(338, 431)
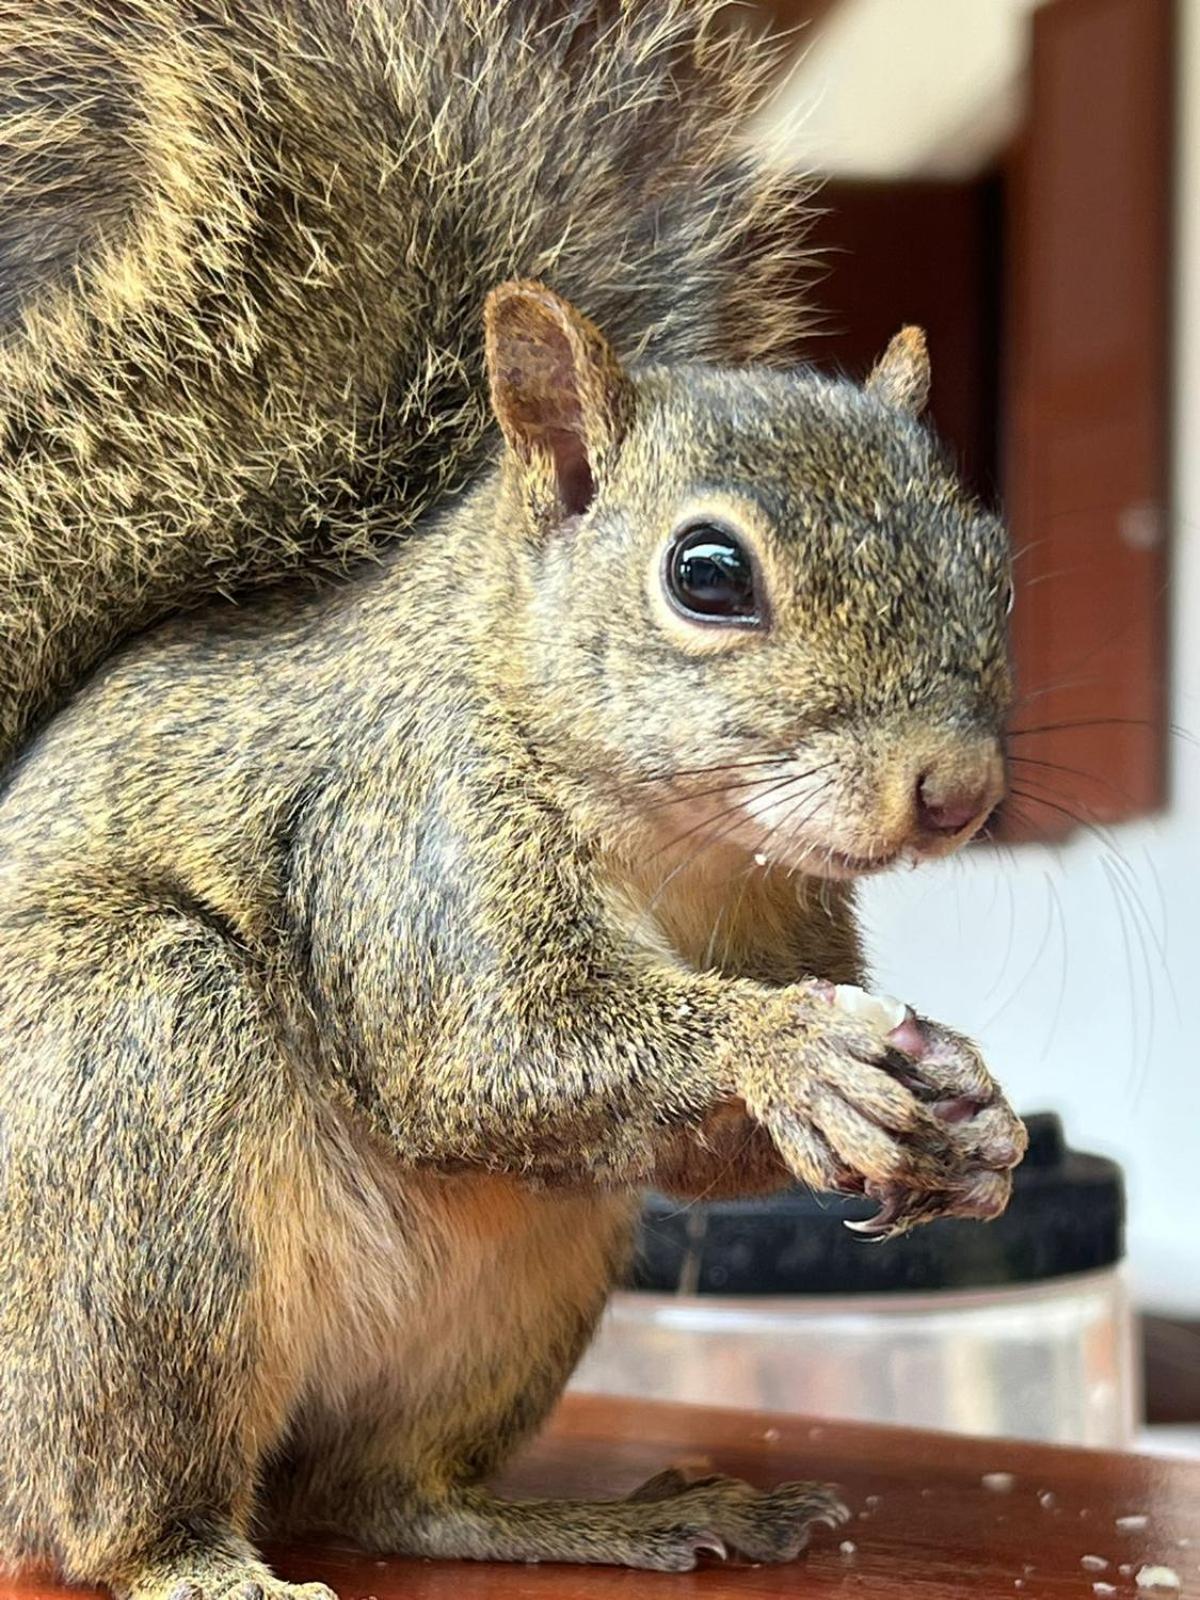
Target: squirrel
(453, 670)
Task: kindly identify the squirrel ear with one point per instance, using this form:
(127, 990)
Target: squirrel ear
(901, 375)
(559, 393)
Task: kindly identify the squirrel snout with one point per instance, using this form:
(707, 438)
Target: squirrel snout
(945, 808)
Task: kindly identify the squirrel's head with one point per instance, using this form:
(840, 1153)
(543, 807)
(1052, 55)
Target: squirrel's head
(760, 606)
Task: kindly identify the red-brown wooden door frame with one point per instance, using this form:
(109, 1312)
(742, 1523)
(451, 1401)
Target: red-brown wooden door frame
(1086, 360)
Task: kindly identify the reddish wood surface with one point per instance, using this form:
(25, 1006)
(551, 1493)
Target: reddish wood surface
(925, 1526)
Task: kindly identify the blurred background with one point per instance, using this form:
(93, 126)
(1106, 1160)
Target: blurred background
(1022, 180)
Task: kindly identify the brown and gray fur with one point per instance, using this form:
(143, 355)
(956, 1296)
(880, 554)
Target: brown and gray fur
(233, 343)
(357, 958)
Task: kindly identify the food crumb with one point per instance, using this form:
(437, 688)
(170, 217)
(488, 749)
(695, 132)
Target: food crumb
(1133, 1524)
(879, 1011)
(998, 1482)
(872, 1501)
(848, 1548)
(1047, 1499)
(1093, 1563)
(1104, 1588)
(926, 1494)
(1157, 1578)
(771, 1434)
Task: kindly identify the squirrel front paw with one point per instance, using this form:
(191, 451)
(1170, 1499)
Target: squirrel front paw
(986, 1136)
(861, 1096)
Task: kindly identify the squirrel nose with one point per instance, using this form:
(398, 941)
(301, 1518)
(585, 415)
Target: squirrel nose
(948, 810)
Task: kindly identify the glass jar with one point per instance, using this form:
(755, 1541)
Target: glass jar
(1019, 1328)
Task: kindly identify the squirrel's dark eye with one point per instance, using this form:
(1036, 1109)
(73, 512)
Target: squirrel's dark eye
(709, 576)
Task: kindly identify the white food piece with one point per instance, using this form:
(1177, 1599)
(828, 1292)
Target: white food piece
(1047, 1499)
(848, 1548)
(1158, 1578)
(1135, 1524)
(1093, 1563)
(880, 1011)
(998, 1482)
(1104, 1588)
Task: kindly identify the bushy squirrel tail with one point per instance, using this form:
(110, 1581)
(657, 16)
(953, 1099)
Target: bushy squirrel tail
(243, 255)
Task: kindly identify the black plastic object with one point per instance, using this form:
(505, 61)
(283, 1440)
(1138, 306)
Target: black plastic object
(1067, 1215)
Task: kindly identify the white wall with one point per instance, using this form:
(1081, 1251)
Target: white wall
(1063, 962)
(913, 88)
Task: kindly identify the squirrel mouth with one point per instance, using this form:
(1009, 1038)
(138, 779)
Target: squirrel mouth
(814, 860)
(837, 864)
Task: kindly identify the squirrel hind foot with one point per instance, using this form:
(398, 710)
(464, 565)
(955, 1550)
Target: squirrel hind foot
(256, 1586)
(220, 1572)
(665, 1526)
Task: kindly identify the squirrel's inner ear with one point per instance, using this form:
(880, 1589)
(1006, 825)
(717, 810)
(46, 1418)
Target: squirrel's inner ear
(901, 375)
(559, 393)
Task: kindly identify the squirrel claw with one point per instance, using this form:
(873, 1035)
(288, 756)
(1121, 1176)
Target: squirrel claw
(883, 1225)
(710, 1542)
(984, 1198)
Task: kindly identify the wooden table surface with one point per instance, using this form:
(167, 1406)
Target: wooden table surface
(926, 1526)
